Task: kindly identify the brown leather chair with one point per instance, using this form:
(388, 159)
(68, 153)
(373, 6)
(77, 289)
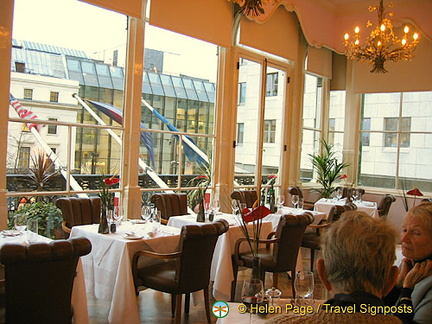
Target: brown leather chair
(79, 211)
(187, 270)
(170, 204)
(312, 240)
(39, 279)
(286, 242)
(295, 190)
(248, 197)
(385, 204)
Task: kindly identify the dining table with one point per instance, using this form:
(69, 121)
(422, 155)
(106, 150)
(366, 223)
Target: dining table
(325, 204)
(108, 267)
(78, 300)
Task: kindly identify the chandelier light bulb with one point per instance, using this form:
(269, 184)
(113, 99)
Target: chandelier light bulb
(379, 43)
(403, 41)
(357, 42)
(346, 36)
(383, 27)
(406, 29)
(415, 36)
(357, 30)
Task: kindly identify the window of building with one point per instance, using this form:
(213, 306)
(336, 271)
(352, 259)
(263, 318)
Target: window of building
(272, 85)
(52, 129)
(365, 135)
(240, 133)
(242, 93)
(28, 94)
(24, 157)
(20, 67)
(54, 96)
(392, 124)
(269, 131)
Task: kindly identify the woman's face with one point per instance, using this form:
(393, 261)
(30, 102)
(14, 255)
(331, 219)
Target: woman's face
(416, 239)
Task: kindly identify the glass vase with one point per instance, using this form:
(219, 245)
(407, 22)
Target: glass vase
(103, 222)
(201, 213)
(256, 268)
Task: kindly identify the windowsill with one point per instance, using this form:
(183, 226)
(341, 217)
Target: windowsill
(394, 150)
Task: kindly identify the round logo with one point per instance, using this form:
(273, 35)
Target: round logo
(220, 309)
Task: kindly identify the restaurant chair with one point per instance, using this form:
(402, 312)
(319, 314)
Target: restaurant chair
(295, 190)
(350, 206)
(384, 205)
(248, 197)
(39, 279)
(282, 257)
(184, 271)
(79, 211)
(312, 240)
(170, 204)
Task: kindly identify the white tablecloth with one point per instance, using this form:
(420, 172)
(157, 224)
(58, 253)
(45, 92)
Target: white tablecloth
(79, 299)
(108, 271)
(221, 270)
(324, 205)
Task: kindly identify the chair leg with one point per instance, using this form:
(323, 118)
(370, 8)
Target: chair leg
(207, 303)
(173, 304)
(312, 257)
(178, 308)
(187, 303)
(234, 282)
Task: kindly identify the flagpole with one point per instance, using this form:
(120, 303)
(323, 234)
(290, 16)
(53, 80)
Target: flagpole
(185, 139)
(153, 175)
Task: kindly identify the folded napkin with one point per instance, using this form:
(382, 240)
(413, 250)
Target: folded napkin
(369, 203)
(256, 213)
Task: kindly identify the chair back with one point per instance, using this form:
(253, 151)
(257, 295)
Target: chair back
(296, 191)
(289, 233)
(39, 279)
(170, 204)
(385, 204)
(80, 211)
(197, 243)
(335, 213)
(248, 197)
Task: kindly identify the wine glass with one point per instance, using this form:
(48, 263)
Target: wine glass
(339, 193)
(146, 213)
(279, 203)
(215, 206)
(295, 200)
(235, 207)
(117, 214)
(274, 294)
(252, 295)
(20, 223)
(303, 285)
(355, 195)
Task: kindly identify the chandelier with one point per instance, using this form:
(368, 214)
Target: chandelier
(382, 44)
(251, 8)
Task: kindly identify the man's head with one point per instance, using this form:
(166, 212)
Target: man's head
(358, 255)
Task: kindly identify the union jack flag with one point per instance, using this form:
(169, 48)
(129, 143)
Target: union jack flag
(24, 113)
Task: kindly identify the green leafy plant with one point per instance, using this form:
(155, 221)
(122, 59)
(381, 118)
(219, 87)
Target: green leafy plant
(327, 168)
(201, 183)
(49, 217)
(41, 171)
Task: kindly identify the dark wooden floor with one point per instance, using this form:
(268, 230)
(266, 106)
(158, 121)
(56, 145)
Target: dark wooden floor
(155, 307)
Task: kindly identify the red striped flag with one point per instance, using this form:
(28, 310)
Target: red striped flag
(24, 113)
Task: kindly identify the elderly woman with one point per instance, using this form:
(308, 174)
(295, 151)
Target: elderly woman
(414, 283)
(357, 266)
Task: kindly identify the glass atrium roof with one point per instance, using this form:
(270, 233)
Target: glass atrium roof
(72, 64)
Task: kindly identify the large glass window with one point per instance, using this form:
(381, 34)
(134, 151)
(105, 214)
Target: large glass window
(397, 128)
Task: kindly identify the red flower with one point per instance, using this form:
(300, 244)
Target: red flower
(272, 176)
(343, 177)
(111, 181)
(201, 176)
(414, 192)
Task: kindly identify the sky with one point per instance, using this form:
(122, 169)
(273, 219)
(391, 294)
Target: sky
(78, 25)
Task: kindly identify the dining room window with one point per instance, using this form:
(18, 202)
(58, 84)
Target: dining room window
(242, 93)
(240, 133)
(269, 131)
(272, 85)
(398, 136)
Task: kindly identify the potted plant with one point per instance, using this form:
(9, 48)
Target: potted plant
(328, 169)
(49, 217)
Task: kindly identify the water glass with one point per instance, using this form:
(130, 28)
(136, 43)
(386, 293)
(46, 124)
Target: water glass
(300, 204)
(156, 220)
(32, 230)
(20, 223)
(304, 286)
(279, 203)
(235, 207)
(215, 206)
(295, 200)
(274, 295)
(339, 193)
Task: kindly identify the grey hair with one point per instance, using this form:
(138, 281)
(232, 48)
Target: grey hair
(358, 252)
(422, 212)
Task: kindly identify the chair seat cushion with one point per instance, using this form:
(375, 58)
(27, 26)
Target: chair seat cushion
(267, 262)
(160, 276)
(311, 241)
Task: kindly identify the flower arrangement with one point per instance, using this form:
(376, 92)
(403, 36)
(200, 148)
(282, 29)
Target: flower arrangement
(107, 198)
